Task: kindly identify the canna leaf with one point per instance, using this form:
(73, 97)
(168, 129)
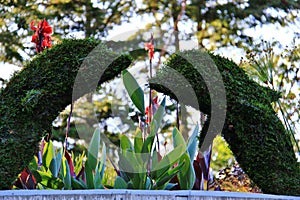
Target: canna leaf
(66, 174)
(79, 163)
(192, 144)
(125, 143)
(48, 180)
(135, 92)
(58, 161)
(186, 175)
(169, 186)
(77, 184)
(164, 178)
(138, 141)
(89, 175)
(48, 154)
(100, 169)
(138, 146)
(168, 161)
(120, 183)
(93, 150)
(178, 138)
(53, 167)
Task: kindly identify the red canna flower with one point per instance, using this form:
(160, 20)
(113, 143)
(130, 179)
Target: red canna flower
(41, 37)
(150, 48)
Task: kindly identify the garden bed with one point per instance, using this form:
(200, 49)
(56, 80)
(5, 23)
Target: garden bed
(133, 195)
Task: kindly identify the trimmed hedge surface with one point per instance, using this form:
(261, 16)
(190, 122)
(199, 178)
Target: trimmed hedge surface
(34, 97)
(252, 129)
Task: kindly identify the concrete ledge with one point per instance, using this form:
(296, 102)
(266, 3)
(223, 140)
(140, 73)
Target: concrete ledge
(133, 195)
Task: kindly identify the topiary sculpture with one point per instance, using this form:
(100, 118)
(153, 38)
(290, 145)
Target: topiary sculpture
(252, 129)
(34, 97)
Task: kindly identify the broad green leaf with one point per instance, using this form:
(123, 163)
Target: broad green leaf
(66, 174)
(138, 141)
(89, 175)
(186, 175)
(48, 154)
(93, 150)
(59, 160)
(168, 160)
(48, 180)
(148, 183)
(100, 169)
(33, 165)
(169, 186)
(135, 92)
(139, 180)
(120, 183)
(53, 167)
(78, 184)
(147, 146)
(164, 178)
(178, 138)
(126, 166)
(154, 159)
(125, 143)
(192, 144)
(79, 163)
(138, 145)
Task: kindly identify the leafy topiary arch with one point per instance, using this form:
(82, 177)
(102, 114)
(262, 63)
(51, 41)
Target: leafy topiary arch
(252, 129)
(34, 97)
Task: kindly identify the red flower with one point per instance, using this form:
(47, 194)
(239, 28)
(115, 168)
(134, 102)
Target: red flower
(150, 48)
(41, 37)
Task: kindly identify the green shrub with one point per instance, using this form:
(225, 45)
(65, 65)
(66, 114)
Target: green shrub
(252, 129)
(34, 97)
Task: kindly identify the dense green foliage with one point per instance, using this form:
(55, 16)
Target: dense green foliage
(252, 129)
(34, 97)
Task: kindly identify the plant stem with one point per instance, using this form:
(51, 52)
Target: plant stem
(68, 128)
(177, 115)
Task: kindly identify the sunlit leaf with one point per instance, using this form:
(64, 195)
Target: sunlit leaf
(66, 174)
(186, 175)
(135, 92)
(192, 144)
(48, 154)
(100, 169)
(178, 138)
(89, 175)
(168, 160)
(93, 150)
(48, 180)
(125, 143)
(138, 141)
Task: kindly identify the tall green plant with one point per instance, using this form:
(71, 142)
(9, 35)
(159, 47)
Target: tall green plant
(141, 165)
(58, 171)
